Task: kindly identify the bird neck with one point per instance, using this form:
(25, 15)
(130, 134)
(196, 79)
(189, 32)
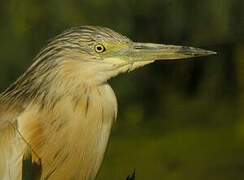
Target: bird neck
(50, 86)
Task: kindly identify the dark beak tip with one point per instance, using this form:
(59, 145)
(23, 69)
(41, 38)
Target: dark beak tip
(211, 53)
(202, 53)
(195, 52)
(206, 53)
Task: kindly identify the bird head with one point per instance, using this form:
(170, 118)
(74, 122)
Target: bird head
(90, 55)
(96, 54)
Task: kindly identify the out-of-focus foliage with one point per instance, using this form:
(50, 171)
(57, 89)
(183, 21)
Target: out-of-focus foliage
(177, 120)
(31, 170)
(131, 177)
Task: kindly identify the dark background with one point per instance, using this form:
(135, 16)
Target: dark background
(177, 120)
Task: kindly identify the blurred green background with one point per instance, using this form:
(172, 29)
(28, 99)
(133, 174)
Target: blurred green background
(177, 120)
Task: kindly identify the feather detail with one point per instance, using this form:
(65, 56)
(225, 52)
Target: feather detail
(70, 139)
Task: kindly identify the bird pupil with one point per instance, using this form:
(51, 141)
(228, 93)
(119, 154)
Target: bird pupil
(99, 48)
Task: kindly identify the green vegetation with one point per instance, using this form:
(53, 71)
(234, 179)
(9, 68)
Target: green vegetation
(177, 120)
(31, 170)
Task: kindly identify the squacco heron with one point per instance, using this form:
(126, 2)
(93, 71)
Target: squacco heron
(63, 107)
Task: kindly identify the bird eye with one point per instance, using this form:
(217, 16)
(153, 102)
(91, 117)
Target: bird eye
(99, 48)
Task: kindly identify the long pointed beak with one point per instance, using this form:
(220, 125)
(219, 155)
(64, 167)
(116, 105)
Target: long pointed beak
(151, 52)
